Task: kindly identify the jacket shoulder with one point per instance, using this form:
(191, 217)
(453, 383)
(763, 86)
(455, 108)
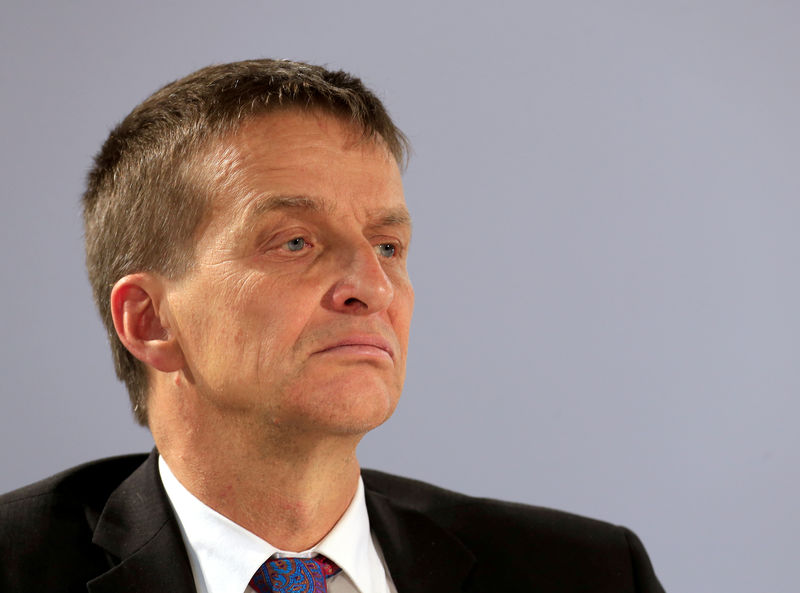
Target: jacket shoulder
(51, 522)
(84, 484)
(436, 501)
(561, 546)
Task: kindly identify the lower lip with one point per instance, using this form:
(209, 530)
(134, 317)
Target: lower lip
(358, 350)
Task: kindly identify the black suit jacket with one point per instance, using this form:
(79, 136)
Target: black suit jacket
(108, 526)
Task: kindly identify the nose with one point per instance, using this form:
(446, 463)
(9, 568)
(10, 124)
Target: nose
(362, 286)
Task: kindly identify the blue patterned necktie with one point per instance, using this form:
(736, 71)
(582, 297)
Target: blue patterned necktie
(293, 575)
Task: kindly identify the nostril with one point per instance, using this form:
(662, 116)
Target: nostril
(351, 301)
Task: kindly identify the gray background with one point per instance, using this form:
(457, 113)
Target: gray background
(605, 198)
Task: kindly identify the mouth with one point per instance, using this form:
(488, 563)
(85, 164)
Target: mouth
(362, 345)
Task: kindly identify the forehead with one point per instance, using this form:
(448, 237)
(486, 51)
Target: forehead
(306, 154)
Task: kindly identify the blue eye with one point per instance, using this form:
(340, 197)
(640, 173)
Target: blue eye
(386, 249)
(295, 244)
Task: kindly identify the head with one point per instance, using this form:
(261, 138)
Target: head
(153, 185)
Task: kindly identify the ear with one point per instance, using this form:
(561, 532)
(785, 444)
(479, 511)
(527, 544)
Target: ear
(141, 320)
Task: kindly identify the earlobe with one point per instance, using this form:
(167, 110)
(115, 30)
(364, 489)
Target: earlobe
(136, 303)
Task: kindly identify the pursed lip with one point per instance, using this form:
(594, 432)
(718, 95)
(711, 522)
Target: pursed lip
(368, 342)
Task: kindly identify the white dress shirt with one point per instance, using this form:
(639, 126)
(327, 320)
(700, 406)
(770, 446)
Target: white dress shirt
(224, 555)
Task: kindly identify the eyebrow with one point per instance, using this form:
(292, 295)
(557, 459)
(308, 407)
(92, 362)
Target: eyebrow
(397, 216)
(394, 216)
(271, 203)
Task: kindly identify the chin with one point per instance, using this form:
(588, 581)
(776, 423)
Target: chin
(360, 417)
(348, 408)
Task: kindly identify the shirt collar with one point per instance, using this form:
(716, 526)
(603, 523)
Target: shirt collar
(225, 555)
(349, 545)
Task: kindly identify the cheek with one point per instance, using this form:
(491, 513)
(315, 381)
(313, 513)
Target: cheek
(262, 318)
(404, 309)
(212, 315)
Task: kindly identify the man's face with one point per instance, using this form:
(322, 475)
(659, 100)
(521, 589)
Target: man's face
(296, 313)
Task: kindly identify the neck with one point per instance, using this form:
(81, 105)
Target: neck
(286, 488)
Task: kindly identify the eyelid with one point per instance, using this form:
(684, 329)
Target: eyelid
(277, 240)
(287, 244)
(399, 246)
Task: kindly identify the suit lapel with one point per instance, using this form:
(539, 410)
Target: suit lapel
(422, 557)
(138, 529)
(141, 536)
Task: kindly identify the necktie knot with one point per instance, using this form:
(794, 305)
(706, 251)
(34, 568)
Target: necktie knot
(293, 575)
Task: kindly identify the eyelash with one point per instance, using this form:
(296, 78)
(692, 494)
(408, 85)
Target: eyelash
(292, 240)
(396, 247)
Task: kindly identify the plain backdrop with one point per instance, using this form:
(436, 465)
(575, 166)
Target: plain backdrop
(605, 197)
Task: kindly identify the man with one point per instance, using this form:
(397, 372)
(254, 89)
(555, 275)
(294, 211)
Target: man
(246, 239)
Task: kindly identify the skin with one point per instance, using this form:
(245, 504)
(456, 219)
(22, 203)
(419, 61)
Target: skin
(286, 341)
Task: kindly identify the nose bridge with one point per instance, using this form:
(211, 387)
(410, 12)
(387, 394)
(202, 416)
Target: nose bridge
(364, 283)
